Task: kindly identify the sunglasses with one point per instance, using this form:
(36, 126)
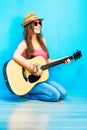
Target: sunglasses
(36, 23)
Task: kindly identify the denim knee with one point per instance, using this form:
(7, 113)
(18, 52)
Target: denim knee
(54, 97)
(59, 88)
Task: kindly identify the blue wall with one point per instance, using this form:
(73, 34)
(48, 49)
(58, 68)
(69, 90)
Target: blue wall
(64, 27)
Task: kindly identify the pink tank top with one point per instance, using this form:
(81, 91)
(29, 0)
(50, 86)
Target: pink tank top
(37, 53)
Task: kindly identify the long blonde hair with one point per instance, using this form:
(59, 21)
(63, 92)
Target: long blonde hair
(28, 33)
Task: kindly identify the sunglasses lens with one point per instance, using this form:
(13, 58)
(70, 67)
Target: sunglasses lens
(36, 23)
(40, 23)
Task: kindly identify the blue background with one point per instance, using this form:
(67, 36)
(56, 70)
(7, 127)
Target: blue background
(65, 30)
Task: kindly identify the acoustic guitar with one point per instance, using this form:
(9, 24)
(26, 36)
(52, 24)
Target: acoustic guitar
(19, 81)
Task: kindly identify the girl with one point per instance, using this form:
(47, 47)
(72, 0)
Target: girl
(35, 45)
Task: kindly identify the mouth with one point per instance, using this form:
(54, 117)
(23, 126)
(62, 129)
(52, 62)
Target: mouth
(38, 29)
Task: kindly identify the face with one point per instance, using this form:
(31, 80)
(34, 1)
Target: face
(37, 26)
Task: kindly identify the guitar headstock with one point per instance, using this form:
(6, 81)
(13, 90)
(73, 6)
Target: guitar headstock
(77, 55)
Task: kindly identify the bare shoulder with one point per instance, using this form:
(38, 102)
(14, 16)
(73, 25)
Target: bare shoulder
(21, 47)
(22, 44)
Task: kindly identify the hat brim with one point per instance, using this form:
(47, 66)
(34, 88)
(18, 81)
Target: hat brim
(27, 22)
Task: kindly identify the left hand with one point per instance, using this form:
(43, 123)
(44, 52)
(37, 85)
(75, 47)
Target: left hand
(67, 61)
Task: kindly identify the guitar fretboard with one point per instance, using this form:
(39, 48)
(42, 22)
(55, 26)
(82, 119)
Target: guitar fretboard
(57, 62)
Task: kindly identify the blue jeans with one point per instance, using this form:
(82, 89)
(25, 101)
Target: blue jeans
(47, 91)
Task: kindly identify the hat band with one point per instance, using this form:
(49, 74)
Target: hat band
(31, 19)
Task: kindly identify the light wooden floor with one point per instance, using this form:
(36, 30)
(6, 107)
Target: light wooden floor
(21, 114)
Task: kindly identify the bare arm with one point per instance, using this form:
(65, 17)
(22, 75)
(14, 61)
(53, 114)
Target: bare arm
(18, 55)
(67, 61)
(32, 68)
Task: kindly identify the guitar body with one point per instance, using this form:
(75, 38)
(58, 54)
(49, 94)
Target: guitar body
(19, 80)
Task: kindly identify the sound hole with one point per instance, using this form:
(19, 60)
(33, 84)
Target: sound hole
(33, 78)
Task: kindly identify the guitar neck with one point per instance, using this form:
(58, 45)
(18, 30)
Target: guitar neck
(57, 62)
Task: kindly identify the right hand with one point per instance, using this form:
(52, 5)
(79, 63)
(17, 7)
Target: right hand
(35, 70)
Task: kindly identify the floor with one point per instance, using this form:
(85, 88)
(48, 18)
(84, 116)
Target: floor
(22, 114)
